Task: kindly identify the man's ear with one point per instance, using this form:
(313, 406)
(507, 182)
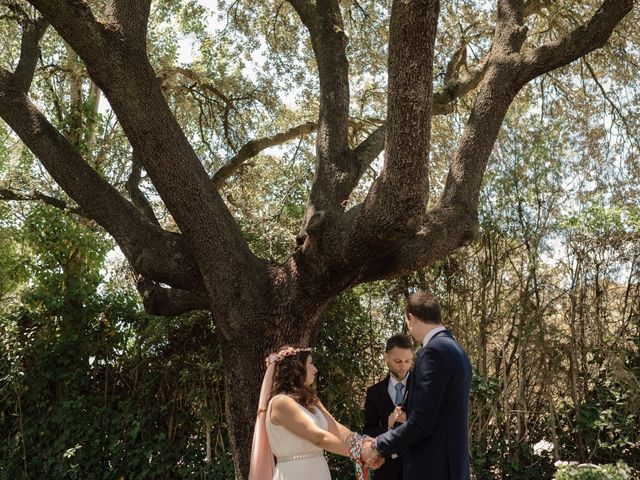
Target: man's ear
(385, 355)
(410, 318)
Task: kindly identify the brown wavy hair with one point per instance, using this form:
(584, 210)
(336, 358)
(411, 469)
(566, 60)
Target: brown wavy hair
(290, 376)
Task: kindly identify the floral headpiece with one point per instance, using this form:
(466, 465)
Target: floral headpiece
(285, 352)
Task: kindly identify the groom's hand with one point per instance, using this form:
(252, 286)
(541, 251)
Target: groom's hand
(370, 454)
(376, 463)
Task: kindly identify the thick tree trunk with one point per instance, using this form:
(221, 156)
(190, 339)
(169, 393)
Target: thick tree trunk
(244, 359)
(242, 381)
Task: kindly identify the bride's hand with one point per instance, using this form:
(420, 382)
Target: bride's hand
(370, 455)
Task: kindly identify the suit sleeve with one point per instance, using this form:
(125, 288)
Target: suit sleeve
(373, 426)
(430, 382)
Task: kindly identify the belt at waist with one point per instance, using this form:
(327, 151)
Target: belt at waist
(300, 456)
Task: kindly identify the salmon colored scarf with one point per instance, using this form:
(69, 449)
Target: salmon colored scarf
(262, 463)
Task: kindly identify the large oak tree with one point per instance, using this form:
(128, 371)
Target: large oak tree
(261, 303)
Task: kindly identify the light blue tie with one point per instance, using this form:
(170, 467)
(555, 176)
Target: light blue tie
(399, 393)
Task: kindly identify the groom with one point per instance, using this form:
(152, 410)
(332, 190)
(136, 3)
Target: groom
(433, 440)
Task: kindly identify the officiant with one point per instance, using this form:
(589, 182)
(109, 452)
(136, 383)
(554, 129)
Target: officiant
(385, 403)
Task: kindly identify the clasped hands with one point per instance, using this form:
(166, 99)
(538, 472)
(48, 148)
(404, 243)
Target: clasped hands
(370, 455)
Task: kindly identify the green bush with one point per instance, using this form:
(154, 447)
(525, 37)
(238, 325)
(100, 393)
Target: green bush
(588, 471)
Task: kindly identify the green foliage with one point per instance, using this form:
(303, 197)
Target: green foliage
(138, 409)
(270, 212)
(493, 455)
(607, 419)
(587, 471)
(61, 247)
(91, 387)
(348, 356)
(13, 262)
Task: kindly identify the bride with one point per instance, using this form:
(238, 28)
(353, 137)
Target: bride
(294, 425)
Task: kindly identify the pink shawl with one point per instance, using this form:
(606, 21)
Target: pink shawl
(262, 464)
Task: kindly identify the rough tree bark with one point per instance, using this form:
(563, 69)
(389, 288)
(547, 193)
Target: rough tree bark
(258, 304)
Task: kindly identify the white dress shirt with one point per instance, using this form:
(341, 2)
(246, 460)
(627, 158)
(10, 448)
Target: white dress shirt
(431, 334)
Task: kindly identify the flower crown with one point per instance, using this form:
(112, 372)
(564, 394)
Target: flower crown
(285, 352)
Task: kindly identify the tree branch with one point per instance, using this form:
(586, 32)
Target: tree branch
(157, 300)
(443, 230)
(370, 148)
(74, 18)
(396, 201)
(498, 89)
(207, 87)
(630, 132)
(197, 78)
(579, 42)
(32, 32)
(150, 250)
(254, 147)
(455, 217)
(510, 32)
(120, 67)
(508, 72)
(443, 100)
(453, 88)
(6, 194)
(92, 116)
(137, 197)
(306, 11)
(167, 302)
(336, 172)
(458, 87)
(132, 16)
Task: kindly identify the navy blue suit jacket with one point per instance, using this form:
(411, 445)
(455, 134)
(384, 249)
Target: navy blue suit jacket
(434, 439)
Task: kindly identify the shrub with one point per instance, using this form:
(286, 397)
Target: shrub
(589, 471)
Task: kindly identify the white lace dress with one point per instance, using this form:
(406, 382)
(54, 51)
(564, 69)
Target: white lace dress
(297, 458)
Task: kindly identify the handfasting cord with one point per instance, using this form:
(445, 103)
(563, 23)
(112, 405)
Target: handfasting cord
(355, 441)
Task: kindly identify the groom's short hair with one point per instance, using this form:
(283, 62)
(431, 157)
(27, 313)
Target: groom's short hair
(424, 306)
(399, 340)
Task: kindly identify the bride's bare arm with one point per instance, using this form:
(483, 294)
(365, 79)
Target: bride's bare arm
(286, 412)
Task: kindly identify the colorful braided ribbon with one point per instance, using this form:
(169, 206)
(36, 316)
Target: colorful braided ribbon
(355, 441)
